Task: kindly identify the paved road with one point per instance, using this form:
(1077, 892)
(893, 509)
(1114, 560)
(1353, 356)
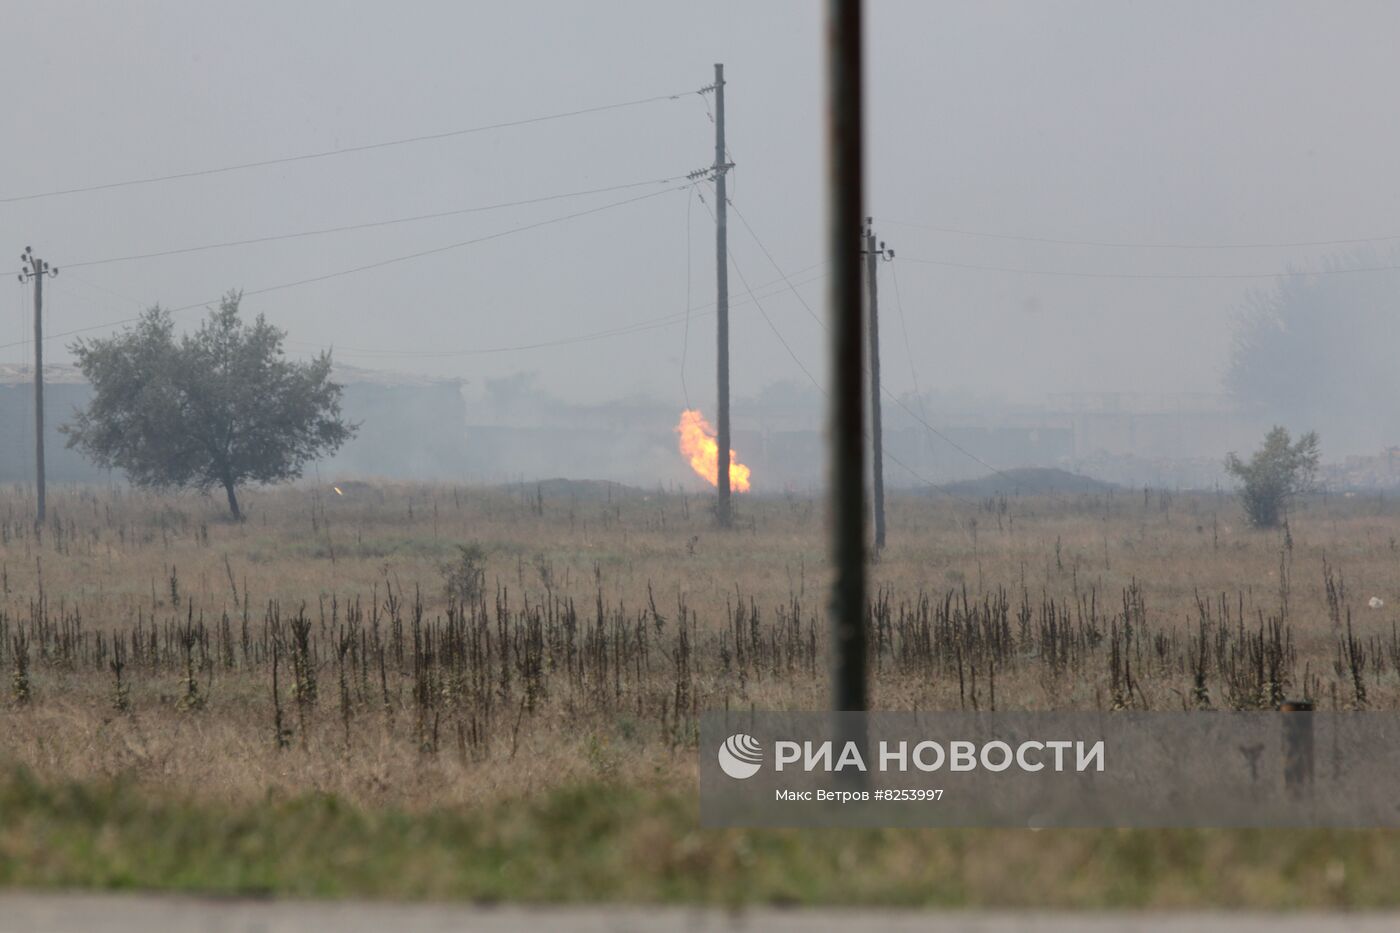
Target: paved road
(50, 913)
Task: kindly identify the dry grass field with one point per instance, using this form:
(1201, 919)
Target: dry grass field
(467, 692)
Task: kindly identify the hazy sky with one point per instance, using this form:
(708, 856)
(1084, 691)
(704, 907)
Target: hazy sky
(1205, 123)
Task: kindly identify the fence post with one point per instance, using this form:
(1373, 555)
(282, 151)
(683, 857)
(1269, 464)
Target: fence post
(1297, 748)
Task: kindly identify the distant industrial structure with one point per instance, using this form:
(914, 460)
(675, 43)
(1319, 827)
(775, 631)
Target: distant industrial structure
(516, 432)
(421, 427)
(64, 390)
(409, 426)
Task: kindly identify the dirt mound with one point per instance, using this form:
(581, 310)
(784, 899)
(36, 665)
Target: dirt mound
(1028, 481)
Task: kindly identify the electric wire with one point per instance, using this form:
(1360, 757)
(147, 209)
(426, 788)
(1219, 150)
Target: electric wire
(383, 262)
(345, 228)
(904, 329)
(1128, 244)
(1187, 276)
(667, 320)
(776, 333)
(685, 339)
(808, 373)
(343, 150)
(884, 389)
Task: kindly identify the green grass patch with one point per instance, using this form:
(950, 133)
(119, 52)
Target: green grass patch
(608, 842)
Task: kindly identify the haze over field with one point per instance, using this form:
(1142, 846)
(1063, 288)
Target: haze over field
(1198, 123)
(384, 516)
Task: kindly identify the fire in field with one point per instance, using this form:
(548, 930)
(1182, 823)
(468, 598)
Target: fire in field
(698, 446)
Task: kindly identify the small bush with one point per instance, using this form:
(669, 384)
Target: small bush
(465, 577)
(1278, 472)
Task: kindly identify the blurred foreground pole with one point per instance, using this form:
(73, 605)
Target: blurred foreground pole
(845, 211)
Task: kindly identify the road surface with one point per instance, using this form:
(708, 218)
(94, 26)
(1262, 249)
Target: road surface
(85, 913)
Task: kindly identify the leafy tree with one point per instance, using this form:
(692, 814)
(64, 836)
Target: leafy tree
(1277, 472)
(218, 408)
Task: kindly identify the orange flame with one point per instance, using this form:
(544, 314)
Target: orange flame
(699, 447)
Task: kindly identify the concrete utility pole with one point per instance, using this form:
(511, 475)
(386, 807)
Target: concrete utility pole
(33, 268)
(720, 168)
(845, 211)
(877, 432)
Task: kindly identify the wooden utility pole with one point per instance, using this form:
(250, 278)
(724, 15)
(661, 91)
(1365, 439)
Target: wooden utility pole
(845, 211)
(35, 269)
(720, 168)
(877, 432)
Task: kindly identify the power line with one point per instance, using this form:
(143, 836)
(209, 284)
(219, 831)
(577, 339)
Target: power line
(69, 277)
(954, 444)
(1127, 244)
(820, 389)
(1065, 273)
(345, 150)
(805, 371)
(370, 224)
(685, 340)
(667, 320)
(894, 398)
(384, 262)
(744, 220)
(771, 326)
(904, 327)
(22, 322)
(620, 331)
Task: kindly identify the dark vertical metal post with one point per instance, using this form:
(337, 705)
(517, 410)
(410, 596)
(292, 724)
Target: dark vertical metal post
(877, 433)
(722, 302)
(847, 428)
(1297, 748)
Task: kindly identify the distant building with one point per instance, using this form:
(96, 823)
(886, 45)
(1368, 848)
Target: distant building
(420, 427)
(65, 391)
(409, 426)
(517, 433)
(1381, 471)
(1178, 426)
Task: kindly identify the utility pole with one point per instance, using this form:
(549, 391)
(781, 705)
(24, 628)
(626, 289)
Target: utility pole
(845, 211)
(720, 168)
(33, 268)
(877, 435)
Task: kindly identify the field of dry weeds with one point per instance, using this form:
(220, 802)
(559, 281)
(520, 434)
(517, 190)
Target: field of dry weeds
(428, 691)
(430, 645)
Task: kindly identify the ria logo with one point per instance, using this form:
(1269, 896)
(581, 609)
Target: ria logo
(740, 756)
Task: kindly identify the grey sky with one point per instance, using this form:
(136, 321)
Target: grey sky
(1165, 122)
